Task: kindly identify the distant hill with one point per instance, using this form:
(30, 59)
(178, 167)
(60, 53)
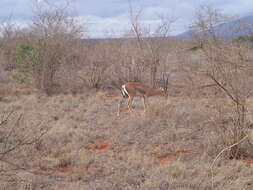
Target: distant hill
(230, 30)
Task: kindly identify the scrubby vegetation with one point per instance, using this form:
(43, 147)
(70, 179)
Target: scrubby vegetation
(58, 106)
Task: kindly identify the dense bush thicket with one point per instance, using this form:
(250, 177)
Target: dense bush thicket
(52, 54)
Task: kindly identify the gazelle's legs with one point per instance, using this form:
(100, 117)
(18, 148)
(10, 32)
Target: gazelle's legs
(147, 102)
(119, 105)
(129, 103)
(144, 103)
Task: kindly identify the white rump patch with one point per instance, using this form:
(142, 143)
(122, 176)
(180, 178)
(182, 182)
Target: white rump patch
(124, 90)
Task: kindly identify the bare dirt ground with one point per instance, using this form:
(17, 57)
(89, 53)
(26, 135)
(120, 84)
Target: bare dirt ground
(171, 146)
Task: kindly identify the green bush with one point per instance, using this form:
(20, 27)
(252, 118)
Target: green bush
(27, 60)
(27, 57)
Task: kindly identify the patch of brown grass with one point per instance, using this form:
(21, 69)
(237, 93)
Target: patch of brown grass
(90, 147)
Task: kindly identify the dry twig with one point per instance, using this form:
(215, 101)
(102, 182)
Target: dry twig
(227, 148)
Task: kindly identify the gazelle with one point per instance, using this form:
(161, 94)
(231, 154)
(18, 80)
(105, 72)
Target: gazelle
(136, 89)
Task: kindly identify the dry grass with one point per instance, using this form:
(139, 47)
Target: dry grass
(170, 146)
(89, 147)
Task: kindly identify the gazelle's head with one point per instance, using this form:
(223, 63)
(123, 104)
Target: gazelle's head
(161, 91)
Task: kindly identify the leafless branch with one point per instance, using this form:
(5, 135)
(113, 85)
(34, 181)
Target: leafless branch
(223, 88)
(220, 153)
(4, 120)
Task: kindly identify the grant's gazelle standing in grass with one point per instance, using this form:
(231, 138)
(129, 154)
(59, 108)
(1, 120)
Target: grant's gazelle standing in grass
(136, 89)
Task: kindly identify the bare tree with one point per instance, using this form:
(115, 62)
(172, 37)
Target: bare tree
(229, 66)
(150, 41)
(203, 28)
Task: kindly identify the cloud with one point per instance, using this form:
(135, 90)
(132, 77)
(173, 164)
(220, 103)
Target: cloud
(100, 26)
(113, 15)
(19, 9)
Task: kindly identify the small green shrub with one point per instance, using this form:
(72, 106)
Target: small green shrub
(27, 60)
(26, 57)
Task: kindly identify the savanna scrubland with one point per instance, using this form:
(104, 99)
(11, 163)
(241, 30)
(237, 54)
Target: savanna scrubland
(58, 105)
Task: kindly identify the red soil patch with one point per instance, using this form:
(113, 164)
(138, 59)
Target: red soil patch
(164, 159)
(53, 172)
(172, 156)
(103, 145)
(63, 170)
(124, 110)
(249, 161)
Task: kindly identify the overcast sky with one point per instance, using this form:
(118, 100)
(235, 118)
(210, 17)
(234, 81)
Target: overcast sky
(112, 15)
